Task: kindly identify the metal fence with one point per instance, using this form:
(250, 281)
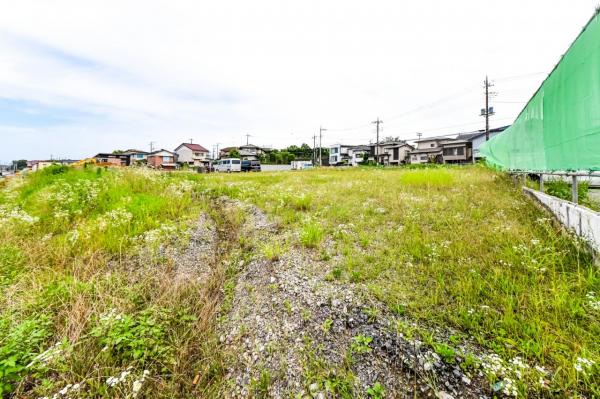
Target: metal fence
(574, 177)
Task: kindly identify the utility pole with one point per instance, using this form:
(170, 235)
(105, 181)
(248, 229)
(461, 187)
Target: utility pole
(487, 111)
(152, 146)
(191, 141)
(314, 149)
(321, 130)
(377, 123)
(248, 138)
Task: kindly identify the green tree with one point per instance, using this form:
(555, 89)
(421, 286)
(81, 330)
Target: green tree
(20, 164)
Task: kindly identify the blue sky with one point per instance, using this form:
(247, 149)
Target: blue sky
(77, 79)
(29, 114)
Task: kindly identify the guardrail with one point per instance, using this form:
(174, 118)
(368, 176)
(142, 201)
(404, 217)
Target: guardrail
(573, 175)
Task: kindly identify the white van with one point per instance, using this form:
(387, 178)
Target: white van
(229, 165)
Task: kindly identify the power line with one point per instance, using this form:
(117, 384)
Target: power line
(516, 77)
(434, 103)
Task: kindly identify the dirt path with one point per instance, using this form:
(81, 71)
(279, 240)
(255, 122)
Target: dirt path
(294, 333)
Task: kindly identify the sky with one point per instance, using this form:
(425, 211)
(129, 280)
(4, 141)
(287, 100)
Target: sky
(82, 77)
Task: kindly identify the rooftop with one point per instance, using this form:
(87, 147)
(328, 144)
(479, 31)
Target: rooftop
(193, 147)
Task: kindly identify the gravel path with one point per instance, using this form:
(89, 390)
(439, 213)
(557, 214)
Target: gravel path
(291, 331)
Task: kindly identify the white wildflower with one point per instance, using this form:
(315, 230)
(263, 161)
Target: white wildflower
(115, 218)
(73, 236)
(112, 381)
(509, 387)
(593, 301)
(137, 386)
(15, 215)
(583, 365)
(65, 390)
(46, 356)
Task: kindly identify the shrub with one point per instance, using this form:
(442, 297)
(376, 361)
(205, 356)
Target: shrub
(12, 262)
(141, 337)
(562, 189)
(19, 347)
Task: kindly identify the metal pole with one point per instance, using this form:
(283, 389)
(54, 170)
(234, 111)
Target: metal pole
(574, 192)
(541, 182)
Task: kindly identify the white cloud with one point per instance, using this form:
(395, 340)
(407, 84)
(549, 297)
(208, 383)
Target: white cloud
(169, 70)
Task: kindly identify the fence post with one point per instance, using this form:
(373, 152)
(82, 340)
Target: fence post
(541, 182)
(574, 192)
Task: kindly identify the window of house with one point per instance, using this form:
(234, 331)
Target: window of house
(460, 151)
(396, 153)
(139, 156)
(423, 157)
(334, 150)
(166, 158)
(432, 145)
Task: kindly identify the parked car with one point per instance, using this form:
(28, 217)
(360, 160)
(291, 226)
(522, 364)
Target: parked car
(229, 165)
(250, 166)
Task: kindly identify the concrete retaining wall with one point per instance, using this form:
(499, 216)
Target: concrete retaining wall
(275, 168)
(583, 221)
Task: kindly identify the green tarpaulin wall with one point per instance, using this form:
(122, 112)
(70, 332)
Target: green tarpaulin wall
(559, 128)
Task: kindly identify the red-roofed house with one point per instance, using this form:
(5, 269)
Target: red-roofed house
(192, 154)
(162, 159)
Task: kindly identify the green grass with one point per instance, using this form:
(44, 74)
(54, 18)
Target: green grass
(76, 306)
(457, 247)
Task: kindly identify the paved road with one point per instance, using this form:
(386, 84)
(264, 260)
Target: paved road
(595, 193)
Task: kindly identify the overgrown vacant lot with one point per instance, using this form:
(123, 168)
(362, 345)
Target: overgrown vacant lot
(323, 283)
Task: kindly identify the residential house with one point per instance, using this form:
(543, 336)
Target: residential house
(391, 152)
(105, 158)
(251, 151)
(338, 154)
(39, 165)
(192, 154)
(428, 150)
(359, 154)
(478, 138)
(162, 159)
(225, 152)
(136, 157)
(456, 151)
